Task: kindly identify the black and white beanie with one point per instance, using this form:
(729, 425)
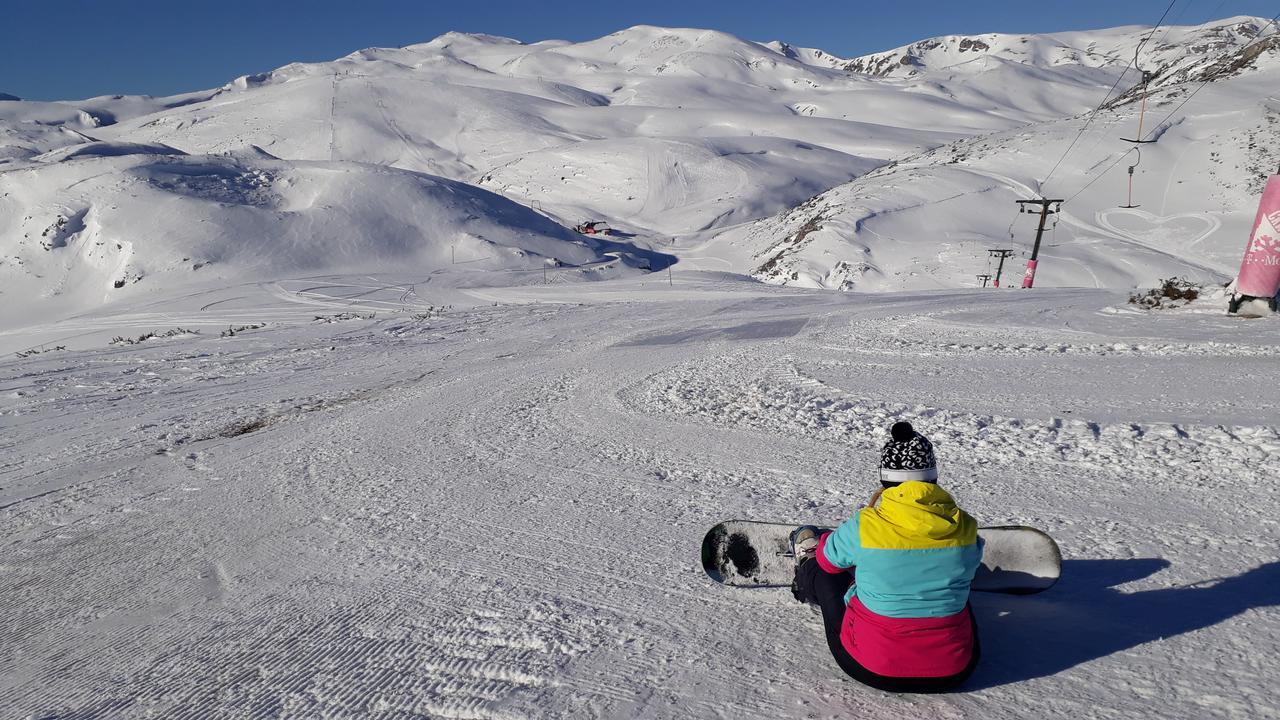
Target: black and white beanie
(907, 456)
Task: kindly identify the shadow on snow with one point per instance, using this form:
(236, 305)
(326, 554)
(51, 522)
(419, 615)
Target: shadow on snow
(1085, 618)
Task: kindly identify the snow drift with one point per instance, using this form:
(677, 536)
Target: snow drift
(100, 221)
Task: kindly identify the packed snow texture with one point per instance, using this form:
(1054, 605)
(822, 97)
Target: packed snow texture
(369, 508)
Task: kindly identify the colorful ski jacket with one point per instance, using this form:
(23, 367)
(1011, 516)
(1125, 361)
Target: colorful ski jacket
(913, 558)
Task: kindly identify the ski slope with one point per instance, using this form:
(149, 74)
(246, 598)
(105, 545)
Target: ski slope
(494, 511)
(311, 405)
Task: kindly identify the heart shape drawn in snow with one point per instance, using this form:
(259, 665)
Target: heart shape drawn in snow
(1163, 233)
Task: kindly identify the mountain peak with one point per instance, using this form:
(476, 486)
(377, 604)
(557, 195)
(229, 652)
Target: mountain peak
(1109, 48)
(454, 37)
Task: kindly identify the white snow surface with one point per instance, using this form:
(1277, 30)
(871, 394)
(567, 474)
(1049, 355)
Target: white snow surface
(119, 220)
(312, 406)
(495, 512)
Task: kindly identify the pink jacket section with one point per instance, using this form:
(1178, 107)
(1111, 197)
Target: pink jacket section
(907, 647)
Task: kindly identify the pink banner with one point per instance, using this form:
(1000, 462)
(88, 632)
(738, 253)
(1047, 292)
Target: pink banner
(1030, 277)
(1260, 270)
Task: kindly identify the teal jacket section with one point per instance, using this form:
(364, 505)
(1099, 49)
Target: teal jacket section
(914, 556)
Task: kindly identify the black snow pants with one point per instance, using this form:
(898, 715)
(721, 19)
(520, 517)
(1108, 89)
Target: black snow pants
(827, 590)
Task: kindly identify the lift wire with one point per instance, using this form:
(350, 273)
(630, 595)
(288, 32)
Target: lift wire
(1098, 177)
(1102, 136)
(1168, 29)
(1211, 78)
(1171, 114)
(1146, 77)
(1089, 121)
(1083, 128)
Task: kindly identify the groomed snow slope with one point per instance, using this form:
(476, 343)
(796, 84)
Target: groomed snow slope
(496, 513)
(366, 447)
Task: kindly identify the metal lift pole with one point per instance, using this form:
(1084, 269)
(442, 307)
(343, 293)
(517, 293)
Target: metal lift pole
(1028, 280)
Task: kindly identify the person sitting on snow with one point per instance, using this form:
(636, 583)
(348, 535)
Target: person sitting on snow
(893, 581)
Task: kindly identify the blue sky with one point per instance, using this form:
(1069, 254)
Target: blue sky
(79, 48)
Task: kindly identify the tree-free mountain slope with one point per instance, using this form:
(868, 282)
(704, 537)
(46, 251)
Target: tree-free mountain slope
(927, 221)
(684, 138)
(109, 221)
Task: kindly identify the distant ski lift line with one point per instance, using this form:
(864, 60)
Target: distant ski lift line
(1211, 78)
(1166, 119)
(1142, 114)
(1116, 84)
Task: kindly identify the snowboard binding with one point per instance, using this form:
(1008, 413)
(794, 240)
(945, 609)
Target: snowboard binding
(804, 543)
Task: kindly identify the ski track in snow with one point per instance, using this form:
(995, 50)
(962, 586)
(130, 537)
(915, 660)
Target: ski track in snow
(496, 513)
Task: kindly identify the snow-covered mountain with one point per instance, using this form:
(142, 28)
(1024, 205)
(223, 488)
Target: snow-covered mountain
(893, 170)
(927, 221)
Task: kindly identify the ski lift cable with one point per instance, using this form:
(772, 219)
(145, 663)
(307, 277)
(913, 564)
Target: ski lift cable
(1146, 76)
(1177, 18)
(1101, 136)
(1089, 121)
(1098, 177)
(1174, 111)
(1211, 78)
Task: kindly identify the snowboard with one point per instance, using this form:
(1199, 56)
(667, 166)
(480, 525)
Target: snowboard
(744, 553)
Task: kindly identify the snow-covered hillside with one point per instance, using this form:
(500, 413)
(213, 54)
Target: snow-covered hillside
(105, 221)
(683, 138)
(927, 221)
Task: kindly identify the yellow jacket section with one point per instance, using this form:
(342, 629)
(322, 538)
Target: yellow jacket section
(916, 516)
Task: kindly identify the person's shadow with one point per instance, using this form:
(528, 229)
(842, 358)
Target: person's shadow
(1084, 618)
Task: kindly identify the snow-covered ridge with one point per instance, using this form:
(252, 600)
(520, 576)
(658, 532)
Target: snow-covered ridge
(1108, 48)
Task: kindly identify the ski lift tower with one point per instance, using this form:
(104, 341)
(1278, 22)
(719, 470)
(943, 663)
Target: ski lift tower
(1001, 253)
(1045, 211)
